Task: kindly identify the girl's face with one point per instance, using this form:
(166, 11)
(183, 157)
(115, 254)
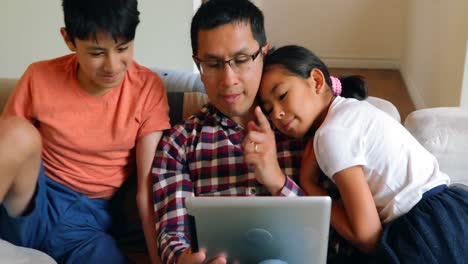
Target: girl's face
(292, 103)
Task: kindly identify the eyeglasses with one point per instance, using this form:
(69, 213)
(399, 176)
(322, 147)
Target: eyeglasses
(239, 64)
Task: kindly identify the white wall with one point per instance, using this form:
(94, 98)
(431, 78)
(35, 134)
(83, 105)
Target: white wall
(344, 33)
(425, 39)
(30, 31)
(435, 51)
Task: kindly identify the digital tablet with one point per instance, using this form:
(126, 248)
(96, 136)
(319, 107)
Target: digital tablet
(255, 229)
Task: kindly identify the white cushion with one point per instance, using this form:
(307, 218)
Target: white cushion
(11, 254)
(444, 132)
(180, 81)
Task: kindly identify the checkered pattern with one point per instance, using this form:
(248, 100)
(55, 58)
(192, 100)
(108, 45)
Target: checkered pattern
(203, 157)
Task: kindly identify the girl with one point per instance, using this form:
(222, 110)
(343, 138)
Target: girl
(395, 202)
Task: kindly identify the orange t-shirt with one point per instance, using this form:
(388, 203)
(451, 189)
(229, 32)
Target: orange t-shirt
(89, 142)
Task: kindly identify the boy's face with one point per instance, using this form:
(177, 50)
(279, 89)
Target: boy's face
(102, 62)
(231, 91)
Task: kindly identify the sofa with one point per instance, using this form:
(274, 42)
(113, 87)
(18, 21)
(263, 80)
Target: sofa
(443, 131)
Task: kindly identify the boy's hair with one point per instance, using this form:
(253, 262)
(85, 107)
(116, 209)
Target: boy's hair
(299, 61)
(84, 18)
(214, 13)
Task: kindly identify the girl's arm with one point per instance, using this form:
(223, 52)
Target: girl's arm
(145, 150)
(356, 219)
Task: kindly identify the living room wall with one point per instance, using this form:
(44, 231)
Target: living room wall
(425, 39)
(30, 32)
(357, 33)
(435, 52)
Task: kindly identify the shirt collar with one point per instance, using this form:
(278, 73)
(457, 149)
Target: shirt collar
(217, 117)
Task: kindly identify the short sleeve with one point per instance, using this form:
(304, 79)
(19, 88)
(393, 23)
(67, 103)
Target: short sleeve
(338, 149)
(155, 111)
(19, 102)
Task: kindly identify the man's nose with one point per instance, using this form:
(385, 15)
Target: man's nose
(228, 75)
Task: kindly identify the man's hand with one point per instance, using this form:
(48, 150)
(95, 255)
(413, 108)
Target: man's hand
(188, 257)
(260, 152)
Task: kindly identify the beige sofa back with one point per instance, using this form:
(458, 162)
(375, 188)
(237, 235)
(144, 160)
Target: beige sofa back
(6, 86)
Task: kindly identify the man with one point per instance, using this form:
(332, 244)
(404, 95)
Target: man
(205, 155)
(94, 117)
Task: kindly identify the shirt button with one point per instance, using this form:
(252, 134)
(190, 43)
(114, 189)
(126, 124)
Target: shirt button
(252, 190)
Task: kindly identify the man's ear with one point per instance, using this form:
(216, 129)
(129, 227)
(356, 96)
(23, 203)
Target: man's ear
(67, 39)
(317, 80)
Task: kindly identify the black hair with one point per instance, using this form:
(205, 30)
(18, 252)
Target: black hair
(216, 13)
(300, 61)
(84, 18)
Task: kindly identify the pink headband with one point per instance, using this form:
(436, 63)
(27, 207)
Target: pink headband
(336, 85)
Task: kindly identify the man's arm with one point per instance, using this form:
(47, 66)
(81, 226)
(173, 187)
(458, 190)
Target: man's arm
(145, 150)
(172, 183)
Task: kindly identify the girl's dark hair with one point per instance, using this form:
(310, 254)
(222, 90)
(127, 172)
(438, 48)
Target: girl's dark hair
(214, 13)
(84, 18)
(300, 61)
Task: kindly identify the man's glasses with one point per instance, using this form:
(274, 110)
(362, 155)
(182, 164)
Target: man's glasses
(239, 64)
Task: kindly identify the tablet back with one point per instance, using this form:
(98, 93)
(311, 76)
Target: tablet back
(255, 229)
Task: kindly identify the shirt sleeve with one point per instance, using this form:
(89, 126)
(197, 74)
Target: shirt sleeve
(155, 110)
(337, 149)
(20, 101)
(172, 184)
(289, 153)
(290, 188)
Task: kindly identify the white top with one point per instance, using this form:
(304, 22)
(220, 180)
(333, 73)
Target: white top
(397, 168)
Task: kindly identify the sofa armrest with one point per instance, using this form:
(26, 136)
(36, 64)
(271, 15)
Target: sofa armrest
(444, 132)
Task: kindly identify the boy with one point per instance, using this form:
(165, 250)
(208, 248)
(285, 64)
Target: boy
(100, 116)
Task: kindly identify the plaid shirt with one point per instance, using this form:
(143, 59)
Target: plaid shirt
(204, 157)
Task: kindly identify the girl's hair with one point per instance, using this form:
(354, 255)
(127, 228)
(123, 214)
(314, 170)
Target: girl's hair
(300, 61)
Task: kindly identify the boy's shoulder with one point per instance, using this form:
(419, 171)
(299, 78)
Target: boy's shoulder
(136, 69)
(62, 63)
(139, 73)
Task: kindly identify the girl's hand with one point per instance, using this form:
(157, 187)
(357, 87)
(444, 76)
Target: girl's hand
(260, 152)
